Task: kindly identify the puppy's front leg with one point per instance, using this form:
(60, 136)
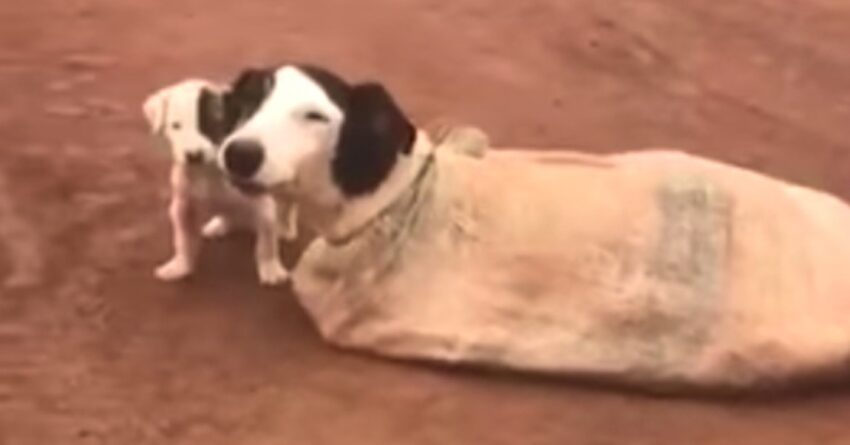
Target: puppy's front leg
(289, 223)
(269, 267)
(185, 235)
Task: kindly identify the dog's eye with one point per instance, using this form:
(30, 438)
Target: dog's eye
(315, 116)
(175, 125)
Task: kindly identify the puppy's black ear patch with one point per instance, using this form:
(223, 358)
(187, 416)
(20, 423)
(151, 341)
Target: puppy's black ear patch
(247, 93)
(374, 133)
(213, 121)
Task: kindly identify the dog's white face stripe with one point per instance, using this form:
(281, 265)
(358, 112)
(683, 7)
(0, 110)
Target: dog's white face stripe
(300, 125)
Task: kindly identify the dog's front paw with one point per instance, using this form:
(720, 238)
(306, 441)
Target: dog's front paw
(175, 269)
(272, 273)
(216, 227)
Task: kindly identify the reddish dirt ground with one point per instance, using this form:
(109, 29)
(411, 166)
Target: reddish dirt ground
(94, 351)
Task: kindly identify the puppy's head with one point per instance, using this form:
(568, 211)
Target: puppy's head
(192, 117)
(304, 125)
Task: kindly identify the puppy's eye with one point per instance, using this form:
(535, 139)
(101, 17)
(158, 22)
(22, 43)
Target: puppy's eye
(315, 116)
(176, 125)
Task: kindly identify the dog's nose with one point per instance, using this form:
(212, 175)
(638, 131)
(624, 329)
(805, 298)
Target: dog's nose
(243, 158)
(194, 157)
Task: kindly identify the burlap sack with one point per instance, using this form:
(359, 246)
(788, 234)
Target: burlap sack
(655, 268)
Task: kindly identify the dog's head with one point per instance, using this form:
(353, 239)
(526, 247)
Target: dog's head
(304, 125)
(192, 117)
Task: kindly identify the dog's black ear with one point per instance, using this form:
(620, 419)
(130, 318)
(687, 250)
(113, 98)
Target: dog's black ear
(253, 81)
(247, 93)
(213, 119)
(374, 133)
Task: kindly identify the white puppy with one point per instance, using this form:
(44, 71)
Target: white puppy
(192, 118)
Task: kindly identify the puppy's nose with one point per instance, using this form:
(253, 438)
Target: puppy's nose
(243, 158)
(194, 157)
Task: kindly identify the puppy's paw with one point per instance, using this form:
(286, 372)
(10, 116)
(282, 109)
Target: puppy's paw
(216, 227)
(175, 269)
(272, 273)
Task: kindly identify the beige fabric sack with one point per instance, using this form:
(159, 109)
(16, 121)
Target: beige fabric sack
(657, 269)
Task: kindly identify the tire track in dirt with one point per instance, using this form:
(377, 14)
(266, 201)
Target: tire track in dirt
(19, 243)
(32, 337)
(57, 257)
(21, 248)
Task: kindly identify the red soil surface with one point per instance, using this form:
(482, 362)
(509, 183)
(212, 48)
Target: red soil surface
(94, 351)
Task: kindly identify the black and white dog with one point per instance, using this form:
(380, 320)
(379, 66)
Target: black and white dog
(342, 150)
(192, 117)
(532, 262)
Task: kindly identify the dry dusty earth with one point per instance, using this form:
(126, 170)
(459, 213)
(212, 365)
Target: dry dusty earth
(94, 351)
